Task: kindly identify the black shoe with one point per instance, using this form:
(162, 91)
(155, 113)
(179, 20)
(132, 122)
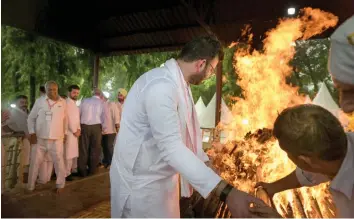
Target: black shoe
(75, 174)
(69, 178)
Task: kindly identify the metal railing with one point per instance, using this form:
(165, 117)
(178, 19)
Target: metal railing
(11, 166)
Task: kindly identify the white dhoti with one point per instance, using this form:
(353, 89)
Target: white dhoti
(71, 152)
(55, 149)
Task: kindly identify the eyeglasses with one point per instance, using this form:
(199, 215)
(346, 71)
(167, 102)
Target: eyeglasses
(211, 72)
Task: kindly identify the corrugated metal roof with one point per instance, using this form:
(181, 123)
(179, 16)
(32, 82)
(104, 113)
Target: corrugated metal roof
(111, 27)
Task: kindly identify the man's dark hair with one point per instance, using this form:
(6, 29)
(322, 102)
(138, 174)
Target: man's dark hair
(73, 87)
(21, 97)
(42, 89)
(203, 47)
(312, 131)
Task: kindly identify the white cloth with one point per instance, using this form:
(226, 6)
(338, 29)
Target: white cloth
(72, 142)
(18, 120)
(342, 184)
(69, 165)
(45, 170)
(92, 111)
(341, 55)
(120, 109)
(55, 148)
(112, 117)
(48, 122)
(151, 149)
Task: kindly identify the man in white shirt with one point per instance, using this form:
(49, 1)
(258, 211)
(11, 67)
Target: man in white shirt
(112, 119)
(315, 141)
(92, 125)
(341, 63)
(18, 123)
(47, 126)
(159, 142)
(74, 130)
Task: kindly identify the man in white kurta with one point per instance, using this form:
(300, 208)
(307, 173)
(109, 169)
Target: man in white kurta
(71, 151)
(159, 141)
(47, 125)
(18, 123)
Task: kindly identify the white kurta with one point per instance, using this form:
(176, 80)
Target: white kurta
(151, 148)
(71, 143)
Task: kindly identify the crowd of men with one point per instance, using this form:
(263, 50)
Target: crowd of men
(73, 139)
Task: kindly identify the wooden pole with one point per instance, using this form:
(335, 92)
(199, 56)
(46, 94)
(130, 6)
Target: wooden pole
(218, 93)
(96, 65)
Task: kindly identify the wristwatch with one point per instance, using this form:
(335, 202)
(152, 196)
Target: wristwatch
(225, 192)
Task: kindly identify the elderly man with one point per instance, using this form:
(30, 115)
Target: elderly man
(341, 63)
(159, 142)
(47, 125)
(74, 131)
(92, 125)
(18, 123)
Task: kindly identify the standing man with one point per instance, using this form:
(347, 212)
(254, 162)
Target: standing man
(92, 125)
(47, 126)
(18, 123)
(74, 131)
(122, 94)
(159, 141)
(112, 119)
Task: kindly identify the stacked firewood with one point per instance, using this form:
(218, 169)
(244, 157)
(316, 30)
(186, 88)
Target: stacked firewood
(238, 167)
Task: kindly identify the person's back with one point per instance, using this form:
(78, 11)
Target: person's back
(91, 111)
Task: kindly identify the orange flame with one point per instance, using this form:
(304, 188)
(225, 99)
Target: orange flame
(262, 77)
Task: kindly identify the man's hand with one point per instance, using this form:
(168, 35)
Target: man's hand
(263, 210)
(5, 115)
(33, 139)
(77, 133)
(238, 203)
(270, 188)
(117, 127)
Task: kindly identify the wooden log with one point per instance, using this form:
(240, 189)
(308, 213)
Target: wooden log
(299, 209)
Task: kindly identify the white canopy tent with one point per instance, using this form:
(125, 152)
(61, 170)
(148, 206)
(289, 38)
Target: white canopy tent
(200, 108)
(207, 119)
(324, 99)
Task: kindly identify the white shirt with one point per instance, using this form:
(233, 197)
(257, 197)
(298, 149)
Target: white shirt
(112, 117)
(48, 122)
(73, 115)
(120, 109)
(150, 150)
(341, 186)
(92, 111)
(18, 120)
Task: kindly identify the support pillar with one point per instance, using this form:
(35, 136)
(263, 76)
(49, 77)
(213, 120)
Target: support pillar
(96, 65)
(218, 93)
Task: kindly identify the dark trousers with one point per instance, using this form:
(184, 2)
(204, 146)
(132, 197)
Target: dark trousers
(107, 144)
(89, 149)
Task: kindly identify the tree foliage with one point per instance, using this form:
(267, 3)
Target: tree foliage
(25, 55)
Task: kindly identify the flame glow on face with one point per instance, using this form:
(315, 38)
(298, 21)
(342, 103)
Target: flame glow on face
(262, 76)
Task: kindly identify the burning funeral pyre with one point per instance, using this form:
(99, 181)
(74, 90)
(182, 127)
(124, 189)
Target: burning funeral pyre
(252, 154)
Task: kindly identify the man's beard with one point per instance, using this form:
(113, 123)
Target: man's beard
(73, 98)
(197, 78)
(121, 99)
